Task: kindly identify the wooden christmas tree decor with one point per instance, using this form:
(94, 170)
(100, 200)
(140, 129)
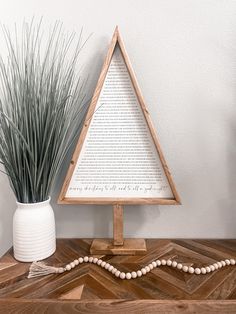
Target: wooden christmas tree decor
(118, 159)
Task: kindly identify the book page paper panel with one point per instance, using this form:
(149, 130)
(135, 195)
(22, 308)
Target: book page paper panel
(118, 158)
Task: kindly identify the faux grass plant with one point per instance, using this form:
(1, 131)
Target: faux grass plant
(42, 105)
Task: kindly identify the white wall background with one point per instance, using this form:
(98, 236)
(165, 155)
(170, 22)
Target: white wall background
(184, 55)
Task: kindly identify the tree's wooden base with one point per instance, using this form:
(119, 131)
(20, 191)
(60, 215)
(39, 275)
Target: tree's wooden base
(130, 247)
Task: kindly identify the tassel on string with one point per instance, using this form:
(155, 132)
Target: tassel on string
(38, 269)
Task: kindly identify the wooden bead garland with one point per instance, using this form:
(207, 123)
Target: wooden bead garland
(40, 269)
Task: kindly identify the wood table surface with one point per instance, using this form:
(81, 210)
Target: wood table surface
(89, 288)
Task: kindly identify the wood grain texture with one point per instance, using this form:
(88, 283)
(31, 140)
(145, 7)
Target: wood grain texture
(129, 247)
(117, 306)
(116, 200)
(117, 40)
(91, 289)
(118, 238)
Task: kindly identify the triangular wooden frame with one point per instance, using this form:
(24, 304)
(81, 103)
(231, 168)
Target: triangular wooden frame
(116, 40)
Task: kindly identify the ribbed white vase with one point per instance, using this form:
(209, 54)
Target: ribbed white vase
(34, 236)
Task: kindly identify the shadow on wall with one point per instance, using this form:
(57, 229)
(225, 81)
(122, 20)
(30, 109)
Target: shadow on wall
(138, 218)
(91, 220)
(229, 205)
(94, 63)
(7, 209)
(78, 221)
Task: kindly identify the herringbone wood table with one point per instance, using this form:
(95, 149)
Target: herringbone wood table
(91, 289)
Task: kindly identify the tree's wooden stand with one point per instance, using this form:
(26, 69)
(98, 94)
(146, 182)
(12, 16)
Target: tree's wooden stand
(119, 245)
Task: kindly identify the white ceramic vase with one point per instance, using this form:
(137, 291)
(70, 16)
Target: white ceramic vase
(34, 236)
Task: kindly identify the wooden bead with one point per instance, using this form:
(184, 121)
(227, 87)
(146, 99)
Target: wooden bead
(216, 266)
(154, 264)
(134, 274)
(95, 260)
(122, 275)
(147, 269)
(107, 266)
(103, 264)
(227, 262)
(179, 266)
(185, 269)
(139, 273)
(212, 267)
(232, 261)
(208, 270)
(197, 271)
(203, 270)
(169, 262)
(76, 262)
(81, 260)
(191, 270)
(117, 273)
(158, 262)
(90, 259)
(86, 259)
(110, 268)
(150, 266)
(143, 270)
(163, 262)
(68, 267)
(128, 276)
(99, 262)
(174, 264)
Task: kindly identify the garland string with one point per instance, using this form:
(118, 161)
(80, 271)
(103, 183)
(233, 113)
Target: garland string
(38, 269)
